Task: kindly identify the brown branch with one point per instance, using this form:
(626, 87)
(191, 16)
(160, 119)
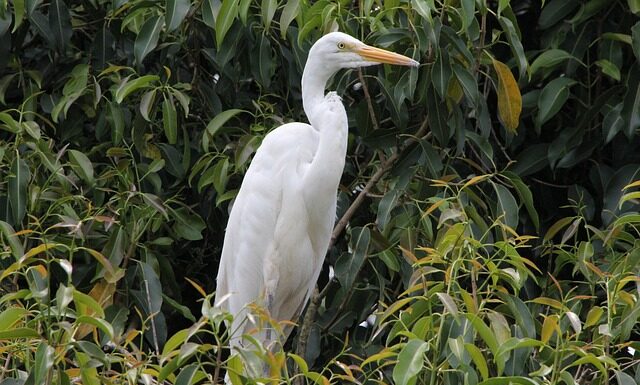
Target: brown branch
(317, 296)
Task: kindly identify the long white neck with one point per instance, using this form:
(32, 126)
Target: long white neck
(329, 119)
(314, 80)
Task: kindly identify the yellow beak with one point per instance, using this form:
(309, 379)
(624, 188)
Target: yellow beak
(383, 56)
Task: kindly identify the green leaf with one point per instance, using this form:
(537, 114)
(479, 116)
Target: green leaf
(41, 24)
(225, 18)
(146, 104)
(410, 362)
(128, 86)
(219, 120)
(210, 10)
(60, 23)
(147, 39)
(187, 375)
(525, 197)
(86, 305)
(635, 38)
(478, 359)
(5, 81)
(18, 181)
(9, 235)
(555, 11)
(386, 204)
(348, 266)
(18, 333)
(88, 371)
(97, 322)
(115, 117)
(43, 362)
(82, 166)
(289, 13)
(424, 8)
(18, 14)
(10, 316)
(509, 381)
(220, 175)
(548, 59)
(268, 9)
(176, 11)
(468, 12)
(441, 73)
(634, 6)
(552, 98)
(243, 10)
(484, 331)
(506, 206)
(609, 69)
(631, 104)
(624, 379)
(170, 121)
(468, 82)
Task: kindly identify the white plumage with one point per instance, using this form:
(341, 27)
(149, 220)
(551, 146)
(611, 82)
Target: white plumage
(281, 221)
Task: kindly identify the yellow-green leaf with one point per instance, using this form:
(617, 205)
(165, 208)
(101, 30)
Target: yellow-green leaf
(509, 97)
(549, 325)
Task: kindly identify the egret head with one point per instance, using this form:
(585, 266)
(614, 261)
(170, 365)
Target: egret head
(339, 50)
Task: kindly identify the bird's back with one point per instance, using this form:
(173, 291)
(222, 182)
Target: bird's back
(265, 236)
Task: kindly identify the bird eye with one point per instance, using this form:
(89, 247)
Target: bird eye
(341, 45)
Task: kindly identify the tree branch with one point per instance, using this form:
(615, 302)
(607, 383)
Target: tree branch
(317, 296)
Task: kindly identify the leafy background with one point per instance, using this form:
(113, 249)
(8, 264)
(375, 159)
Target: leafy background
(488, 210)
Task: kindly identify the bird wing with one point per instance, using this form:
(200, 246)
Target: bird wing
(258, 217)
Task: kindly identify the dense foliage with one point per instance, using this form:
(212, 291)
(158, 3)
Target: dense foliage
(489, 229)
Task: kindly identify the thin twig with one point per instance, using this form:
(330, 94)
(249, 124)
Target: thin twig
(367, 97)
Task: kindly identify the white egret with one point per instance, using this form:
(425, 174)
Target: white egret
(281, 221)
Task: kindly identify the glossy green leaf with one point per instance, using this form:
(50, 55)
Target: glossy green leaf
(609, 69)
(210, 10)
(508, 381)
(60, 23)
(506, 206)
(478, 360)
(146, 104)
(10, 316)
(147, 39)
(348, 265)
(226, 15)
(553, 96)
(555, 11)
(631, 103)
(18, 181)
(18, 333)
(289, 13)
(82, 165)
(175, 12)
(18, 14)
(548, 59)
(219, 120)
(526, 197)
(170, 121)
(129, 86)
(484, 331)
(410, 362)
(187, 375)
(441, 73)
(268, 10)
